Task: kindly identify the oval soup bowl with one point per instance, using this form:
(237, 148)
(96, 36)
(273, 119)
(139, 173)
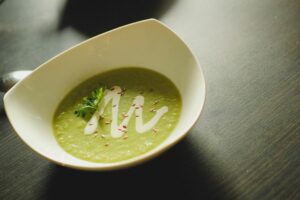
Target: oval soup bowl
(31, 104)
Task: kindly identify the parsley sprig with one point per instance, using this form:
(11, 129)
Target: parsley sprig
(91, 103)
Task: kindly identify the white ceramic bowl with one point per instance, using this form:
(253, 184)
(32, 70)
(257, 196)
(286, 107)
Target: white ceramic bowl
(30, 104)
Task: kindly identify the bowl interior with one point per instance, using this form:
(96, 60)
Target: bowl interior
(30, 105)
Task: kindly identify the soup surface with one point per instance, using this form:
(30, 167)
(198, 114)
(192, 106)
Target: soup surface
(138, 110)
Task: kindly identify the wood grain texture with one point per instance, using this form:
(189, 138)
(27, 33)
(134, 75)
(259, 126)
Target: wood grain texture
(246, 144)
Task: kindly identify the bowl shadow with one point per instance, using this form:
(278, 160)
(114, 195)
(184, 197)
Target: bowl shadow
(97, 16)
(178, 173)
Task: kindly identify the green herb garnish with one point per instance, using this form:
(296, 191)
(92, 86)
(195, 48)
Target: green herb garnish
(91, 103)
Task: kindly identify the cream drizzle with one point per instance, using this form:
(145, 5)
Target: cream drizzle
(119, 130)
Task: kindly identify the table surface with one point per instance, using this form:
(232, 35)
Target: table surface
(245, 145)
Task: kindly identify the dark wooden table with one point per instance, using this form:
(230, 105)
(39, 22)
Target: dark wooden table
(246, 144)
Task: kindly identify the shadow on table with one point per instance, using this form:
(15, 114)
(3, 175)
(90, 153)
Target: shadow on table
(177, 174)
(96, 16)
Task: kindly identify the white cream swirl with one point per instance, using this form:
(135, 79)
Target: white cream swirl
(118, 130)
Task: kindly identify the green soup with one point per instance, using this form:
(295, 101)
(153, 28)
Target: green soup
(140, 110)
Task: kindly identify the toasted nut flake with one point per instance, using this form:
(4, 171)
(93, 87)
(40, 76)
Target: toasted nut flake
(155, 130)
(152, 110)
(108, 121)
(103, 136)
(125, 136)
(155, 102)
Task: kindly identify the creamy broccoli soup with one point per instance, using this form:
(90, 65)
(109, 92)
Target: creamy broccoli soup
(117, 115)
